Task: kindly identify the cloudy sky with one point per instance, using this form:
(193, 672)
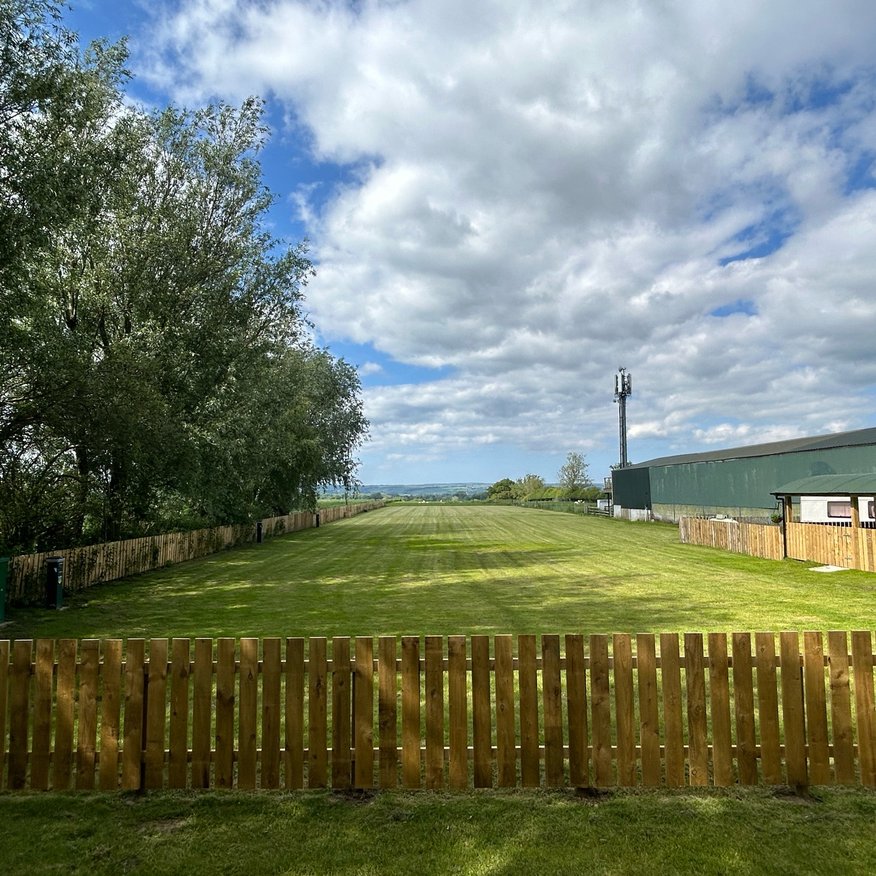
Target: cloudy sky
(509, 200)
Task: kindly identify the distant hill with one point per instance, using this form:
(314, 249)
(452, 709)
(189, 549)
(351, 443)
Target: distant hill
(416, 491)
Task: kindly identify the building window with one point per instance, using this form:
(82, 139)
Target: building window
(844, 510)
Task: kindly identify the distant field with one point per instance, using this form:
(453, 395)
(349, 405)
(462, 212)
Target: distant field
(457, 569)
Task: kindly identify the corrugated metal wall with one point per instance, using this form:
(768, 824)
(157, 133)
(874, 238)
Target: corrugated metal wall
(631, 487)
(746, 484)
(736, 487)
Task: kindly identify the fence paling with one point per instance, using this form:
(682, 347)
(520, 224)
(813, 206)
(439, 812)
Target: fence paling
(152, 714)
(743, 700)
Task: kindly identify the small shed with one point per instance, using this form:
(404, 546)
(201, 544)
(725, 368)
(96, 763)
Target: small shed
(849, 488)
(848, 542)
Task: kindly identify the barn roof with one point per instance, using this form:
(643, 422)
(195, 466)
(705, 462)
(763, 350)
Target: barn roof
(792, 445)
(830, 485)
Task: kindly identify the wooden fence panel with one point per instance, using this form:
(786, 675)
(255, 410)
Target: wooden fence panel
(601, 708)
(177, 763)
(841, 708)
(813, 542)
(202, 713)
(271, 713)
(65, 694)
(387, 714)
(132, 756)
(156, 705)
(576, 707)
(363, 713)
(862, 661)
(816, 709)
(410, 672)
(247, 714)
(768, 707)
(624, 710)
(527, 683)
(317, 761)
(649, 716)
(42, 715)
(506, 752)
(100, 563)
(19, 706)
(793, 710)
(743, 700)
(672, 708)
(87, 738)
(458, 716)
(756, 540)
(552, 695)
(224, 763)
(49, 696)
(434, 712)
(4, 693)
(481, 712)
(293, 753)
(342, 732)
(111, 702)
(698, 747)
(719, 688)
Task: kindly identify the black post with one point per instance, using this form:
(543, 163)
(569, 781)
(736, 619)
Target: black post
(54, 582)
(259, 537)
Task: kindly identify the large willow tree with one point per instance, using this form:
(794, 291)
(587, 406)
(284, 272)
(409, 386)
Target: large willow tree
(156, 368)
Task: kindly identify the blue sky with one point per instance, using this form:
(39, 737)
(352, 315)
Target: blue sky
(509, 200)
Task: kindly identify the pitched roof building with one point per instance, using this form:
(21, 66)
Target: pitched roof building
(739, 481)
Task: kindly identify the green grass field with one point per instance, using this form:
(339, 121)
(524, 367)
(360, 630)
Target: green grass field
(757, 832)
(456, 569)
(453, 569)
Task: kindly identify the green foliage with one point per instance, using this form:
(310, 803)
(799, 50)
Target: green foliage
(157, 369)
(529, 486)
(574, 477)
(503, 490)
(584, 494)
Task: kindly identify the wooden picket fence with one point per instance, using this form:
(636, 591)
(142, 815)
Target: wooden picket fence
(99, 563)
(438, 712)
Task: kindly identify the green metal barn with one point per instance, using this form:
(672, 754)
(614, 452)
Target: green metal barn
(739, 481)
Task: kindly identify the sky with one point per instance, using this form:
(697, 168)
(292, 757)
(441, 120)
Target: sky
(507, 201)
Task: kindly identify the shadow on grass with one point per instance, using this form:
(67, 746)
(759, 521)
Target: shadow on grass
(743, 832)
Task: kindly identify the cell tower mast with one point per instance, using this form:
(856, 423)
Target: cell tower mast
(623, 387)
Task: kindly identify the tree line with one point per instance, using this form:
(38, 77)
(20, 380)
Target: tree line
(574, 484)
(157, 369)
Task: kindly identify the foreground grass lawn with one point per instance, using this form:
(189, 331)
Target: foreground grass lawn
(709, 832)
(453, 569)
(457, 569)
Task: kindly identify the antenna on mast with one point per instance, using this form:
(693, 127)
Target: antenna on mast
(623, 387)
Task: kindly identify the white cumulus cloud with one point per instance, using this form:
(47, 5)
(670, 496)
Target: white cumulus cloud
(547, 190)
